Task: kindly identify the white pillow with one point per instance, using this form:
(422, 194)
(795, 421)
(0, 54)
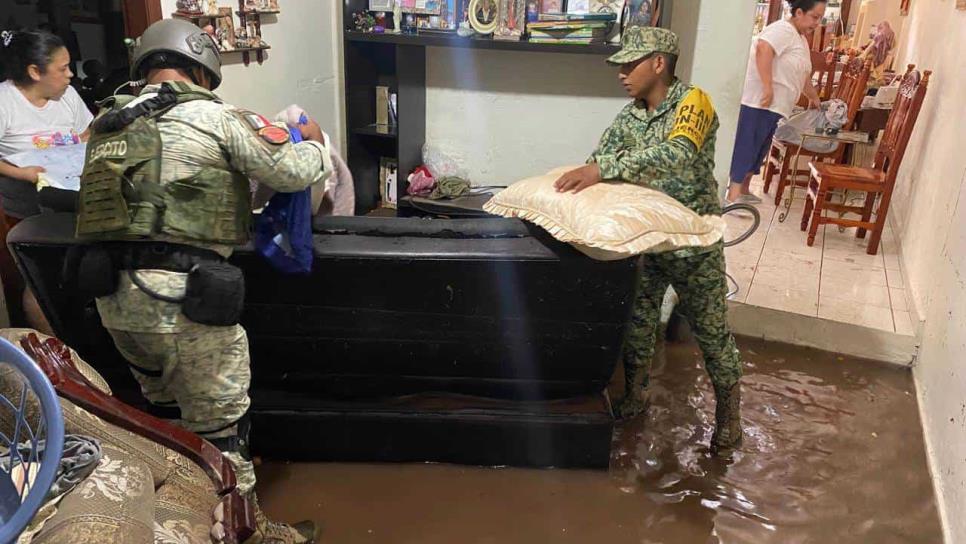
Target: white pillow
(608, 221)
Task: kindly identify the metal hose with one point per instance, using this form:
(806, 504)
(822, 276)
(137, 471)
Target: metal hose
(755, 223)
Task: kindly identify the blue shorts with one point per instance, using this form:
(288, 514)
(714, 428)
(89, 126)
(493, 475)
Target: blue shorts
(755, 130)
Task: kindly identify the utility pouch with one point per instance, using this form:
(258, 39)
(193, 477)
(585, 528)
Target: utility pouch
(97, 275)
(215, 294)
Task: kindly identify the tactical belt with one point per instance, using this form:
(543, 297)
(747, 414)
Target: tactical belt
(162, 256)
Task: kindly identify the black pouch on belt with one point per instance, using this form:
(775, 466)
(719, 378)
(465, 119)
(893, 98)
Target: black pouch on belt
(97, 275)
(215, 294)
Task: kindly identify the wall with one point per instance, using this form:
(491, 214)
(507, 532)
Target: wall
(930, 212)
(508, 115)
(718, 36)
(303, 66)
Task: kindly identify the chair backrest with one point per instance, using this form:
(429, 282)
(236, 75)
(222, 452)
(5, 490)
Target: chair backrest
(32, 440)
(901, 121)
(823, 73)
(852, 86)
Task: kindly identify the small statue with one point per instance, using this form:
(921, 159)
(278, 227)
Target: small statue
(397, 17)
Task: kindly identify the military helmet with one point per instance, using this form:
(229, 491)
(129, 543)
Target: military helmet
(180, 38)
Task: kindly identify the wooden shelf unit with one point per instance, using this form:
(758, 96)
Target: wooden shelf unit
(398, 61)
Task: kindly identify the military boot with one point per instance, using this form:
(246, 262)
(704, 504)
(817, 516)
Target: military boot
(273, 532)
(634, 403)
(727, 415)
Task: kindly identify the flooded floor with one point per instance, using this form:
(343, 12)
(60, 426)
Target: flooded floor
(833, 452)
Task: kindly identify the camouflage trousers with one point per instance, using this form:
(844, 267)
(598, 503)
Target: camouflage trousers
(204, 371)
(702, 290)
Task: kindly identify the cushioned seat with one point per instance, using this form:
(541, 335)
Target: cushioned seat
(142, 491)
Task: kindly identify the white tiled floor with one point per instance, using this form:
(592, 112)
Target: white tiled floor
(834, 279)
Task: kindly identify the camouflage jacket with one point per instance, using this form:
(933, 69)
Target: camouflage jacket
(670, 149)
(194, 136)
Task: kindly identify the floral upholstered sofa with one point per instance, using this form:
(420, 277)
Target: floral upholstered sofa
(155, 483)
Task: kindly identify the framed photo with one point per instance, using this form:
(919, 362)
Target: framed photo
(380, 5)
(640, 13)
(551, 6)
(449, 15)
(225, 30)
(511, 21)
(421, 7)
(578, 6)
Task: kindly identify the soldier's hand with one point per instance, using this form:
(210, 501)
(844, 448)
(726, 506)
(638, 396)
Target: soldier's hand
(579, 179)
(312, 131)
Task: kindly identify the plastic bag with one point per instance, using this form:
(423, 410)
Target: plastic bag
(832, 115)
(441, 164)
(421, 182)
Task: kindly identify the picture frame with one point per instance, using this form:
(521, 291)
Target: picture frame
(381, 5)
(449, 15)
(420, 7)
(578, 6)
(551, 6)
(640, 13)
(483, 15)
(511, 20)
(224, 30)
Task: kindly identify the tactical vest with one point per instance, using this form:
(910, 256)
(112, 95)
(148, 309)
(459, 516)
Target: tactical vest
(121, 195)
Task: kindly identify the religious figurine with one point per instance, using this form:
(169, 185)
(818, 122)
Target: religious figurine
(397, 15)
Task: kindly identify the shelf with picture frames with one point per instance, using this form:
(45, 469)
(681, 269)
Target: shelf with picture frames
(374, 61)
(244, 39)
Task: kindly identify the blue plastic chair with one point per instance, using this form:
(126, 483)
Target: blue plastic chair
(17, 508)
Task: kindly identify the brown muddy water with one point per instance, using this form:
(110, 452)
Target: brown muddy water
(833, 453)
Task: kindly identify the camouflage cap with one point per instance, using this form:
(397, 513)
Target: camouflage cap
(640, 41)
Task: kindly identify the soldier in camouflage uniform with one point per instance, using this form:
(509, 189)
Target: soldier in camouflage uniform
(185, 185)
(665, 140)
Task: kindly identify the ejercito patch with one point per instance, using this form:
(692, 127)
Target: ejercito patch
(694, 117)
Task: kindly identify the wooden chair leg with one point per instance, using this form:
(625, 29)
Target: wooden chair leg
(880, 219)
(818, 206)
(866, 212)
(769, 172)
(782, 177)
(806, 214)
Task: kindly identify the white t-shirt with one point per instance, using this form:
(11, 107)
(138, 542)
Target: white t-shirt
(24, 126)
(790, 70)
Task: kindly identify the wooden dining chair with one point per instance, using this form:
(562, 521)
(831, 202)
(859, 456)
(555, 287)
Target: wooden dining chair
(877, 182)
(851, 89)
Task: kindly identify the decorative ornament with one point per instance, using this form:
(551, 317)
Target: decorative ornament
(483, 16)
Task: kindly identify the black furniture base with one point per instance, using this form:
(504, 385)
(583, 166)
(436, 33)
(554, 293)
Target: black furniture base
(480, 341)
(444, 429)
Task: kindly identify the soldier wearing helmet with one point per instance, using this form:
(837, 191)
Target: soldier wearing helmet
(164, 199)
(664, 139)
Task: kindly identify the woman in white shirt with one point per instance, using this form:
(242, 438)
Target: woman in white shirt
(38, 109)
(778, 73)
